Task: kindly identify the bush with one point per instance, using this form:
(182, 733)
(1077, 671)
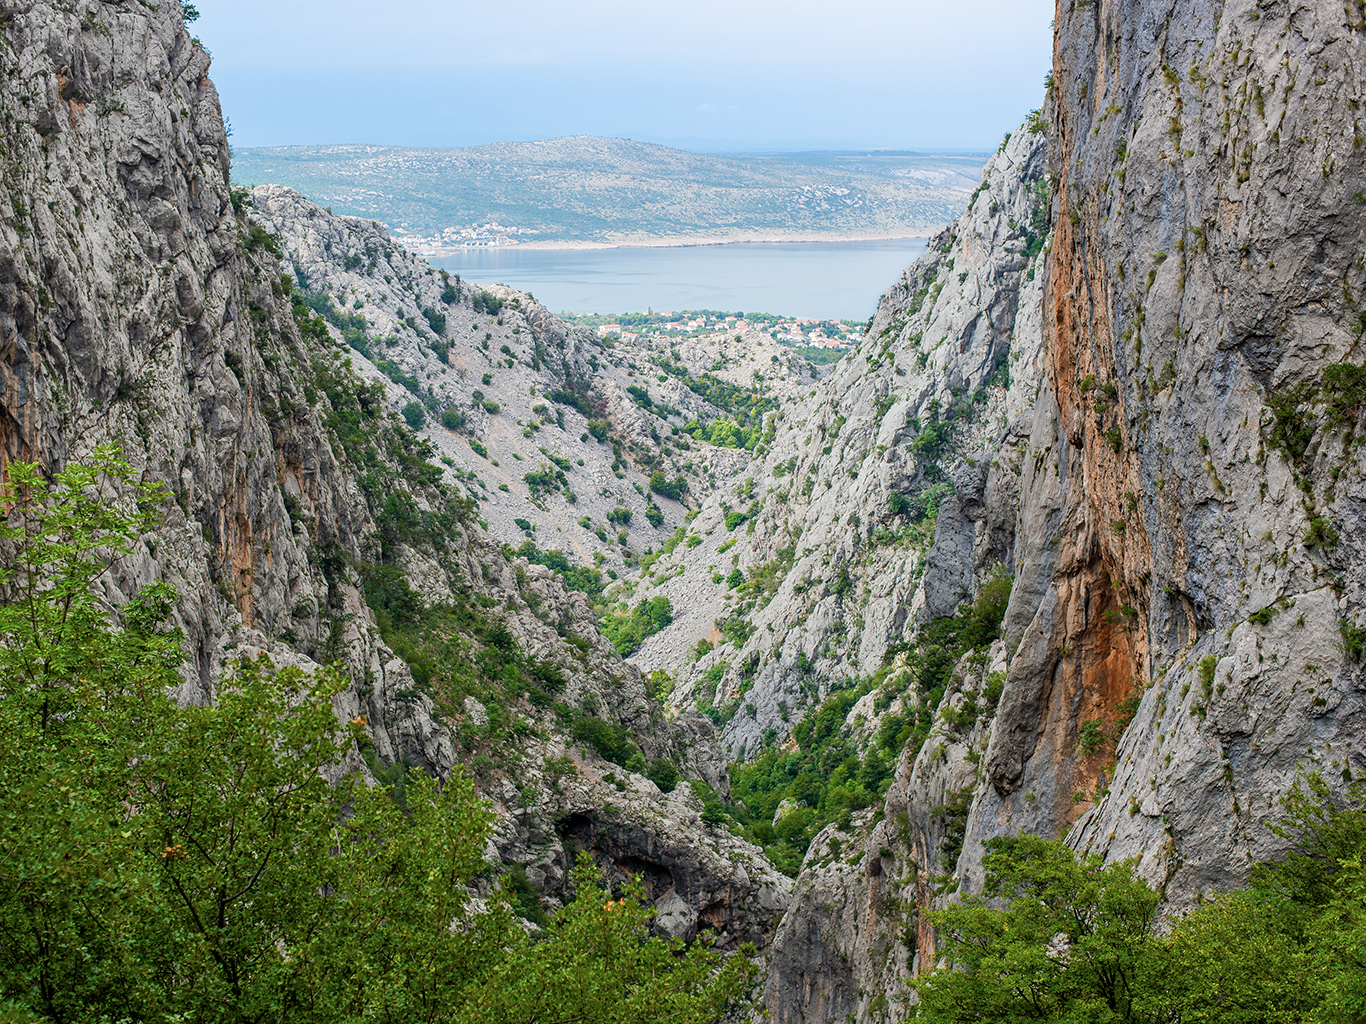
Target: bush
(436, 321)
(611, 741)
(663, 774)
(628, 630)
(415, 415)
(486, 302)
(453, 419)
(654, 514)
(663, 486)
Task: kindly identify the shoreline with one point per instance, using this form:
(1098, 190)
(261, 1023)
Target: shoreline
(674, 243)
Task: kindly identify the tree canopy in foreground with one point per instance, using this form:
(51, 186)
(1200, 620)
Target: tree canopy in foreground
(227, 863)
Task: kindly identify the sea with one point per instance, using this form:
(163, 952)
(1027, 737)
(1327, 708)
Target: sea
(816, 280)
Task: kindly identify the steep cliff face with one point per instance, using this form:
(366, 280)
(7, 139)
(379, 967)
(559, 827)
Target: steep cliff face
(1183, 633)
(1206, 280)
(142, 304)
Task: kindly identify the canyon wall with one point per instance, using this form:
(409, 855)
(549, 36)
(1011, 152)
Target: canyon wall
(1183, 635)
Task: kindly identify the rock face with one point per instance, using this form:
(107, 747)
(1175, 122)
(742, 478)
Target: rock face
(142, 303)
(1183, 631)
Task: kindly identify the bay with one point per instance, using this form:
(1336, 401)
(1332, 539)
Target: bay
(816, 280)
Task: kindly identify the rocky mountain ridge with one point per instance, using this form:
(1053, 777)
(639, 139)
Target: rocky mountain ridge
(616, 191)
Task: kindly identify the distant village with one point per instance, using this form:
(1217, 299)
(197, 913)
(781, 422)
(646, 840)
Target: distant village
(453, 240)
(838, 335)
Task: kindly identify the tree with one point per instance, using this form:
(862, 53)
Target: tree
(599, 964)
(1069, 945)
(414, 415)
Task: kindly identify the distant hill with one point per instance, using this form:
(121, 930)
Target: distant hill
(587, 189)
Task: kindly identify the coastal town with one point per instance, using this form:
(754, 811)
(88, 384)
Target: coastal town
(820, 340)
(452, 240)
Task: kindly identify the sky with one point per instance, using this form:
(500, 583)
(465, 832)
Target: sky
(705, 75)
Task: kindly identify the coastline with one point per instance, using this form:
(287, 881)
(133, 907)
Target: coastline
(681, 242)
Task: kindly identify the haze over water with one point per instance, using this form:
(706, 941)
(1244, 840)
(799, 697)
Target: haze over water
(818, 280)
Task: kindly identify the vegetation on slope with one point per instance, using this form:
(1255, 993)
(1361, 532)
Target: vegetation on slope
(163, 863)
(822, 773)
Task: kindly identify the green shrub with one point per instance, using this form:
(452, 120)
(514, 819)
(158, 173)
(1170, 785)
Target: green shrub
(663, 774)
(1353, 639)
(663, 486)
(414, 415)
(436, 321)
(611, 741)
(628, 630)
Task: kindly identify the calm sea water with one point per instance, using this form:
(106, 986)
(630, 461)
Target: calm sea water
(822, 280)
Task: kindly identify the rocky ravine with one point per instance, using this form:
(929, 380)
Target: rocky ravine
(139, 305)
(1150, 422)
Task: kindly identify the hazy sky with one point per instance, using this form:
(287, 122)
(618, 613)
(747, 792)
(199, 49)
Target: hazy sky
(705, 74)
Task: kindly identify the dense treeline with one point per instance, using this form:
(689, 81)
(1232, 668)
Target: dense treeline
(164, 863)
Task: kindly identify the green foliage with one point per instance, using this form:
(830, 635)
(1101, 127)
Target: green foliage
(663, 774)
(1320, 533)
(436, 321)
(599, 963)
(487, 302)
(611, 741)
(1070, 944)
(164, 862)
(453, 419)
(654, 514)
(1353, 639)
(663, 486)
(415, 415)
(628, 630)
(1075, 941)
